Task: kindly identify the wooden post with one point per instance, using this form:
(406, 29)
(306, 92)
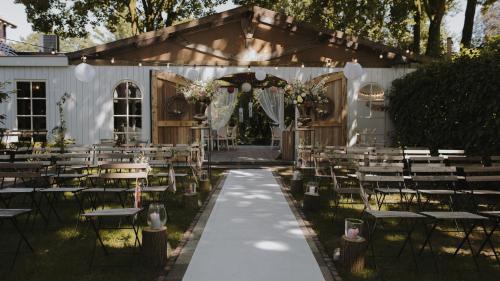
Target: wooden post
(311, 201)
(297, 186)
(154, 246)
(352, 254)
(191, 201)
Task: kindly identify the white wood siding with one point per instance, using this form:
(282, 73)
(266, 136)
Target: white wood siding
(89, 112)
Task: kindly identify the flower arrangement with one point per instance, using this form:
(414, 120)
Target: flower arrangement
(200, 90)
(300, 93)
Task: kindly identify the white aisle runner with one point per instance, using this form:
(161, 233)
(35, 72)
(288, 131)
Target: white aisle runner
(252, 235)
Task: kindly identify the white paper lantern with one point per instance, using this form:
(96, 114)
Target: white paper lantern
(246, 87)
(193, 74)
(260, 75)
(353, 70)
(85, 72)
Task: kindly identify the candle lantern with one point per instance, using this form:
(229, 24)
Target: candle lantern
(312, 188)
(192, 188)
(353, 229)
(297, 175)
(204, 175)
(157, 216)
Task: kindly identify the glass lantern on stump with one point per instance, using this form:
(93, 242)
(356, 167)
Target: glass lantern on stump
(157, 216)
(353, 229)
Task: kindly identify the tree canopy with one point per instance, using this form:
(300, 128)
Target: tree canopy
(76, 17)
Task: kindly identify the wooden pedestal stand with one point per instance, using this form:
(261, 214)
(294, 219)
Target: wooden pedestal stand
(191, 201)
(205, 186)
(311, 201)
(154, 246)
(352, 254)
(297, 186)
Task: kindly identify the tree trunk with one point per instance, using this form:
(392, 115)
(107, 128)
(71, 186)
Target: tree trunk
(154, 246)
(352, 254)
(470, 12)
(435, 10)
(132, 8)
(417, 17)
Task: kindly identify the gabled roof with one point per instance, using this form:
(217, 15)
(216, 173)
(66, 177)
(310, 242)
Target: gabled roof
(244, 36)
(4, 21)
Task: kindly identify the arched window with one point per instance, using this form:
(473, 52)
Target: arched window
(127, 112)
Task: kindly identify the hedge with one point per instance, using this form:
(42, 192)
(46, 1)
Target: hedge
(451, 104)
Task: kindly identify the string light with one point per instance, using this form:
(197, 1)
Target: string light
(276, 67)
(168, 65)
(249, 68)
(112, 60)
(140, 64)
(302, 66)
(381, 56)
(355, 60)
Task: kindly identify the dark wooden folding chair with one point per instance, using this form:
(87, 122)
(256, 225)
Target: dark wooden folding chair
(11, 215)
(375, 218)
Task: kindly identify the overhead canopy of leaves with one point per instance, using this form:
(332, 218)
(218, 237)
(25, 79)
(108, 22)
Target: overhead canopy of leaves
(75, 18)
(383, 21)
(451, 104)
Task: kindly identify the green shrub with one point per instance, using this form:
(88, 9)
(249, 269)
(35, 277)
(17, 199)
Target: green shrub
(451, 104)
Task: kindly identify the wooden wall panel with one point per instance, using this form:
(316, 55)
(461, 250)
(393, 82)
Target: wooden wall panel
(333, 129)
(166, 129)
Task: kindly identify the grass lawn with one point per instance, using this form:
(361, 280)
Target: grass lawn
(388, 243)
(63, 251)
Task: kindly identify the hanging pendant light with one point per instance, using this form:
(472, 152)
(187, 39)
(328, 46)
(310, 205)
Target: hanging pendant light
(260, 75)
(353, 70)
(246, 87)
(85, 72)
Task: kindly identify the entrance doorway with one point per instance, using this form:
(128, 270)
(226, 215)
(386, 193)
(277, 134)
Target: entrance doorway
(257, 121)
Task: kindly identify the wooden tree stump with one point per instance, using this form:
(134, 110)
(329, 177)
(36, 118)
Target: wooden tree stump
(154, 246)
(191, 201)
(311, 201)
(352, 254)
(297, 186)
(205, 186)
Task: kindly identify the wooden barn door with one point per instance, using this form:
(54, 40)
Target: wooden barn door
(171, 115)
(332, 129)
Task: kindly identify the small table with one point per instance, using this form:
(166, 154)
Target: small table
(129, 213)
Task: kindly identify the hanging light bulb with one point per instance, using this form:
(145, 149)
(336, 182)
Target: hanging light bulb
(353, 70)
(140, 64)
(302, 66)
(248, 68)
(276, 68)
(381, 56)
(85, 72)
(112, 60)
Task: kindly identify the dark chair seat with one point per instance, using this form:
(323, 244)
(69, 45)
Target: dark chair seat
(393, 214)
(161, 188)
(121, 212)
(102, 189)
(62, 189)
(10, 190)
(12, 213)
(454, 216)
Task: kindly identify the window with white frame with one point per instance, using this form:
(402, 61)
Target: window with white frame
(31, 99)
(127, 112)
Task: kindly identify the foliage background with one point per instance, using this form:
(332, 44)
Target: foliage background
(451, 104)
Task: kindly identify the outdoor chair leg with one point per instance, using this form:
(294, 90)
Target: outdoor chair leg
(467, 233)
(487, 240)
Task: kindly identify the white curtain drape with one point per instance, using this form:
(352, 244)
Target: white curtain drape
(273, 103)
(222, 107)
